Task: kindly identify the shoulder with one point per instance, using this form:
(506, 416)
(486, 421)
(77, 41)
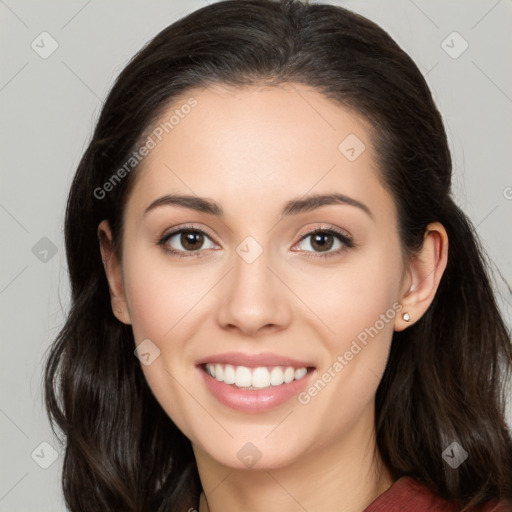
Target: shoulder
(409, 494)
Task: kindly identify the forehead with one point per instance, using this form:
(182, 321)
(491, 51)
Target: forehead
(257, 123)
(247, 145)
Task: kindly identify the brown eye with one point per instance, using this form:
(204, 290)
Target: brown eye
(321, 241)
(184, 241)
(191, 240)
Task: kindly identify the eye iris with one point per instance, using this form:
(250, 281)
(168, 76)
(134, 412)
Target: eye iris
(191, 240)
(319, 241)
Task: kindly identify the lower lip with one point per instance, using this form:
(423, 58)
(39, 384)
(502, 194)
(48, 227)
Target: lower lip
(254, 400)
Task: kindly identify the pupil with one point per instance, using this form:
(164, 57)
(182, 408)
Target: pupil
(317, 240)
(191, 240)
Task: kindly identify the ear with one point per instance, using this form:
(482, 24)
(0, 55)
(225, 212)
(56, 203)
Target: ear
(114, 273)
(423, 275)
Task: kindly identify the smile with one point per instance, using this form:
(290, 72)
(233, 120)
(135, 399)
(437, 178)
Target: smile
(254, 384)
(260, 377)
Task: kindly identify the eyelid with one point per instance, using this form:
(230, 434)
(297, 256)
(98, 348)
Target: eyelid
(187, 227)
(325, 228)
(343, 236)
(163, 239)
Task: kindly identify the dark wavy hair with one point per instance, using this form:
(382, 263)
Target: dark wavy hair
(446, 376)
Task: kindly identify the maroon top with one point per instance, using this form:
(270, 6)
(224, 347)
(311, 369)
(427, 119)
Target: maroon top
(407, 494)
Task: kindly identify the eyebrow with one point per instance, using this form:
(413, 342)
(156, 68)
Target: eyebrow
(291, 207)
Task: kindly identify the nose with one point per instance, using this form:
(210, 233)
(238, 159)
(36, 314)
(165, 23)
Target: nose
(254, 299)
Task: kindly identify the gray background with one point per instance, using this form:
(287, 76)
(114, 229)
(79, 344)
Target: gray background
(48, 108)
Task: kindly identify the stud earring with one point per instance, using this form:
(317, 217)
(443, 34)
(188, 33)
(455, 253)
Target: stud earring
(406, 317)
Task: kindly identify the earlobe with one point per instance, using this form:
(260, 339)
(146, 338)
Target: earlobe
(424, 274)
(113, 272)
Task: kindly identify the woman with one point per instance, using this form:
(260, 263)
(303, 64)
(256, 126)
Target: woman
(276, 304)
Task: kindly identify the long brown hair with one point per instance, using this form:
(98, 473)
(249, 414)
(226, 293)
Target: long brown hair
(446, 374)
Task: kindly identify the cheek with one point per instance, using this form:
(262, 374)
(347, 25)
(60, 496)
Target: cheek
(159, 294)
(166, 302)
(354, 296)
(148, 304)
(358, 304)
(161, 299)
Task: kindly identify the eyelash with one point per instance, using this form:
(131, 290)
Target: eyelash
(341, 236)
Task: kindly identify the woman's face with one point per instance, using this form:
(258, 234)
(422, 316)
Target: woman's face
(248, 289)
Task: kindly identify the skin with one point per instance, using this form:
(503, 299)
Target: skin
(251, 150)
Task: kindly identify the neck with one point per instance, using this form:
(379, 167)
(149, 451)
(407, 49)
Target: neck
(342, 477)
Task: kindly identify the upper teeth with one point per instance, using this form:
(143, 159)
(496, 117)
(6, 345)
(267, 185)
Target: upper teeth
(260, 377)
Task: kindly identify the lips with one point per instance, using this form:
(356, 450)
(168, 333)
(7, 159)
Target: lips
(254, 382)
(254, 360)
